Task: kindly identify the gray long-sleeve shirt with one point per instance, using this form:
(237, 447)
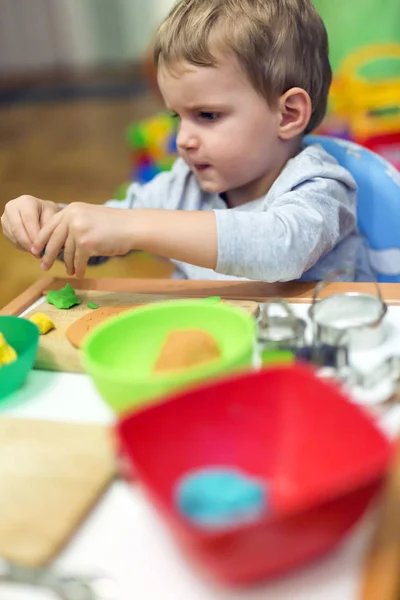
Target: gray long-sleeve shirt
(303, 228)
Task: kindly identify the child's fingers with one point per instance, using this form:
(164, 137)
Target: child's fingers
(30, 222)
(44, 235)
(80, 264)
(69, 255)
(15, 230)
(54, 245)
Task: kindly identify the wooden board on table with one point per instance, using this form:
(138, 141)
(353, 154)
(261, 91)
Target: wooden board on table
(51, 476)
(56, 353)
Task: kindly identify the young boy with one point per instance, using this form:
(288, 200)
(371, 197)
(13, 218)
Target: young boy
(246, 80)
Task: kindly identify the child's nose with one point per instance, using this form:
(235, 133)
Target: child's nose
(186, 139)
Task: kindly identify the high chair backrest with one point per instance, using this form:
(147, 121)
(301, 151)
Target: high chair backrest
(378, 209)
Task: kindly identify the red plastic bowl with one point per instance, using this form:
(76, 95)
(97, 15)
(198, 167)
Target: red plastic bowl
(323, 459)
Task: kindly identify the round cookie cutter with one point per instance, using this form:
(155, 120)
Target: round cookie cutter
(279, 331)
(351, 319)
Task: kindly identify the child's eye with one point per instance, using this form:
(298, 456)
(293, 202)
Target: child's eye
(209, 116)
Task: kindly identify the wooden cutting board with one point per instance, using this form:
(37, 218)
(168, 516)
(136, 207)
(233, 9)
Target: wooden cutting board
(56, 353)
(51, 476)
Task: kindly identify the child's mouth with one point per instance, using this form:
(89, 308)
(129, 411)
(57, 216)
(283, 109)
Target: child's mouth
(201, 167)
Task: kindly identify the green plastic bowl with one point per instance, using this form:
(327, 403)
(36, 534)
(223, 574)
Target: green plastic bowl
(120, 354)
(23, 336)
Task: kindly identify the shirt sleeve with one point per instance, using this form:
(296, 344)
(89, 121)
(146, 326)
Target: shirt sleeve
(288, 238)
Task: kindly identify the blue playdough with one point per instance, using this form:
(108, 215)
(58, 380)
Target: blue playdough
(214, 498)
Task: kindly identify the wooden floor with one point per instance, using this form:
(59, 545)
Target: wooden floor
(67, 151)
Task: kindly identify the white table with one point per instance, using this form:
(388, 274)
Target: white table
(125, 538)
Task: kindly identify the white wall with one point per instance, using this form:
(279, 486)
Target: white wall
(37, 34)
(26, 37)
(140, 21)
(72, 32)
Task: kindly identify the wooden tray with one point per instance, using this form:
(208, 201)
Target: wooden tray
(56, 353)
(235, 290)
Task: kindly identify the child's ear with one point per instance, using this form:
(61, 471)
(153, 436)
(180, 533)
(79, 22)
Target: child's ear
(295, 109)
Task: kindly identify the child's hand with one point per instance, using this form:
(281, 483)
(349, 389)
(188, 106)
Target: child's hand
(23, 218)
(84, 230)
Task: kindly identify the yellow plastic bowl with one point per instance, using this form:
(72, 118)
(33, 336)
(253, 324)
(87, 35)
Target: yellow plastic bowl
(120, 354)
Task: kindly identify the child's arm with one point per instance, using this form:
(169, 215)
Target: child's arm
(298, 229)
(277, 244)
(186, 236)
(86, 230)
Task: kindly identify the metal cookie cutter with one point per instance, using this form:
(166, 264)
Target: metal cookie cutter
(334, 357)
(66, 586)
(279, 331)
(353, 320)
(388, 370)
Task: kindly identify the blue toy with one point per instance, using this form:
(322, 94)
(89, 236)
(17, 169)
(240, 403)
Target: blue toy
(216, 498)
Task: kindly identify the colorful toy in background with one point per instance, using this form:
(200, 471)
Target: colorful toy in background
(365, 108)
(153, 146)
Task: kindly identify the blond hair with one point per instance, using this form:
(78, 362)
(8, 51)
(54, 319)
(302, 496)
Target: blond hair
(280, 44)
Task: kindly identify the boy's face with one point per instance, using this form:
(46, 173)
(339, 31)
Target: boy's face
(228, 134)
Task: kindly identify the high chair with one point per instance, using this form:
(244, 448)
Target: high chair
(378, 208)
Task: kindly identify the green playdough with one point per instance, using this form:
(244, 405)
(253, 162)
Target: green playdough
(92, 305)
(212, 299)
(64, 298)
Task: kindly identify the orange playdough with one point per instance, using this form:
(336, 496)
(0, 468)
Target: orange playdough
(186, 348)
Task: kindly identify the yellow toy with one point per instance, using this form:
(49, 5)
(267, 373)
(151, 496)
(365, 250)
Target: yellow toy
(7, 353)
(365, 110)
(44, 323)
(370, 105)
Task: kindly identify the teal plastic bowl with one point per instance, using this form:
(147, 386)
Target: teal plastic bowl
(120, 354)
(23, 336)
